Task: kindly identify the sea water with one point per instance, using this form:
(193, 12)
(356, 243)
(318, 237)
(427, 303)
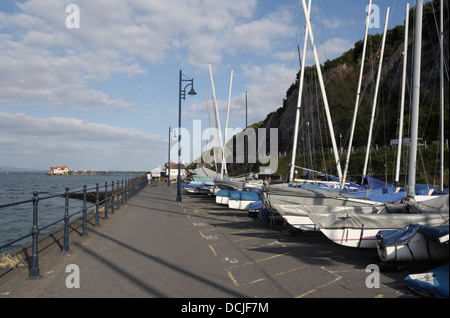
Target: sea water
(17, 221)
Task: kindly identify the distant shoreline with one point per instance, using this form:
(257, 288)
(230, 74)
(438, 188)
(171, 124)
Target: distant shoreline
(12, 169)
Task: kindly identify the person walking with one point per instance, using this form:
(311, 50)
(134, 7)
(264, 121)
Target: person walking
(149, 178)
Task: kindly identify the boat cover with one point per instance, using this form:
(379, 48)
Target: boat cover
(223, 193)
(244, 196)
(433, 283)
(196, 185)
(432, 212)
(403, 235)
(258, 205)
(268, 212)
(204, 172)
(375, 183)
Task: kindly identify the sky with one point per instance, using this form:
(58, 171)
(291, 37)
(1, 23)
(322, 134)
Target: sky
(95, 86)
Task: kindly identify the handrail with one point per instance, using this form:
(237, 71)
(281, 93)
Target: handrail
(120, 194)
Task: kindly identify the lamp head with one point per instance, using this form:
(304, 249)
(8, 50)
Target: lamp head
(192, 92)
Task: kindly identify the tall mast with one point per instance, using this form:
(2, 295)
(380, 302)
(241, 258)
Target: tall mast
(216, 112)
(415, 102)
(369, 8)
(442, 95)
(380, 64)
(402, 102)
(226, 126)
(299, 100)
(324, 95)
(209, 118)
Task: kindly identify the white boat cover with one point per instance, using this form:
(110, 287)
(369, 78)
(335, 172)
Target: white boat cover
(432, 212)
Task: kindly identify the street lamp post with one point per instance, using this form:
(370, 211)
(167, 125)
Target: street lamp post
(182, 95)
(168, 163)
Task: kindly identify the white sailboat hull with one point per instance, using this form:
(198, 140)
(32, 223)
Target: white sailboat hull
(300, 222)
(362, 238)
(222, 199)
(239, 204)
(419, 248)
(290, 204)
(413, 243)
(358, 226)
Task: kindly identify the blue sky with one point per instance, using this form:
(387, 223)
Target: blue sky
(102, 96)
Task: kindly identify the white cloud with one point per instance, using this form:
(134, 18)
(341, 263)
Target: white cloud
(72, 69)
(68, 128)
(335, 24)
(119, 37)
(57, 138)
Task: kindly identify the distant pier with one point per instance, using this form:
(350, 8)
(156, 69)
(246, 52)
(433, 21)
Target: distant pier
(100, 172)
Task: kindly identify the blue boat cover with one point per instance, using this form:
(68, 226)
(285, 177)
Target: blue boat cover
(223, 193)
(406, 233)
(256, 205)
(195, 186)
(435, 232)
(433, 283)
(397, 237)
(376, 184)
(267, 212)
(244, 196)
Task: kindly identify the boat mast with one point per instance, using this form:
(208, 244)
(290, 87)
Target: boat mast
(324, 95)
(402, 101)
(226, 126)
(209, 118)
(369, 8)
(299, 100)
(415, 102)
(369, 139)
(217, 116)
(442, 95)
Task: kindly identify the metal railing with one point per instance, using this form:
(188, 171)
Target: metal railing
(114, 196)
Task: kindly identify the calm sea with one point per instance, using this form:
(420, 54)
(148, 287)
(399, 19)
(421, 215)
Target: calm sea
(17, 221)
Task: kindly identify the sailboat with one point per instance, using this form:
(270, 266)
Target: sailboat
(287, 198)
(413, 242)
(416, 242)
(358, 226)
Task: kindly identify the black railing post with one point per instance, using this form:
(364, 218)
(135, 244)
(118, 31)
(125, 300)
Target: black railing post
(96, 205)
(34, 270)
(84, 233)
(118, 198)
(127, 189)
(106, 200)
(123, 192)
(66, 222)
(112, 198)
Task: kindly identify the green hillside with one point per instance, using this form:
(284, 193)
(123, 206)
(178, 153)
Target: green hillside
(341, 78)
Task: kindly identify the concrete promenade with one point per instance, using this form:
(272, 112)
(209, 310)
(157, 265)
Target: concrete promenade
(156, 247)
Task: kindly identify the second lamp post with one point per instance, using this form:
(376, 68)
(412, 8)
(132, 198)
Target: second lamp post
(182, 96)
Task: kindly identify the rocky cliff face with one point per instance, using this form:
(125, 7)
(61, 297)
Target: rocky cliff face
(341, 78)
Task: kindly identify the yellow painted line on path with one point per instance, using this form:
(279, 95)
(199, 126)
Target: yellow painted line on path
(213, 250)
(267, 258)
(246, 238)
(276, 275)
(233, 279)
(319, 287)
(260, 260)
(258, 246)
